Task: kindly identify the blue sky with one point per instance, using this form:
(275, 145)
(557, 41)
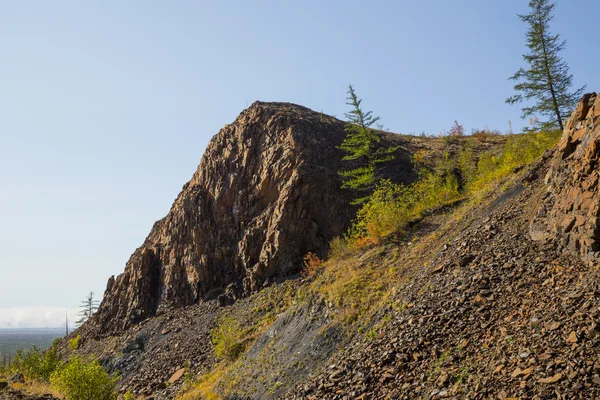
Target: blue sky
(106, 107)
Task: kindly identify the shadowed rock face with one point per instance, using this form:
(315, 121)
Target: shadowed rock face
(570, 208)
(266, 192)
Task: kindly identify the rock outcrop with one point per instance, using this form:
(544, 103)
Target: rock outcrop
(266, 192)
(570, 209)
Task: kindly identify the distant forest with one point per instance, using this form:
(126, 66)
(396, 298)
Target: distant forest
(13, 340)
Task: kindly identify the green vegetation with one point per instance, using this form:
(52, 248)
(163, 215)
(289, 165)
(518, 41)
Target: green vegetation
(128, 396)
(361, 146)
(74, 378)
(547, 79)
(74, 343)
(392, 208)
(36, 364)
(79, 379)
(228, 339)
(519, 151)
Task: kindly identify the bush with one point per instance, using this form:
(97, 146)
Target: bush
(340, 247)
(227, 339)
(392, 207)
(74, 343)
(483, 134)
(312, 265)
(79, 379)
(36, 364)
(519, 150)
(387, 212)
(467, 165)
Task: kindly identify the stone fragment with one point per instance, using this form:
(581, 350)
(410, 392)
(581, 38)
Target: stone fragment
(552, 326)
(552, 379)
(177, 375)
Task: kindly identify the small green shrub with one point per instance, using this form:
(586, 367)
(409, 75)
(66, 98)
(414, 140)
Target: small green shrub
(128, 396)
(79, 379)
(36, 364)
(386, 212)
(392, 207)
(340, 247)
(467, 165)
(227, 339)
(74, 343)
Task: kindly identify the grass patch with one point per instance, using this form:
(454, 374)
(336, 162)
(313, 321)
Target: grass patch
(229, 339)
(234, 333)
(206, 386)
(392, 208)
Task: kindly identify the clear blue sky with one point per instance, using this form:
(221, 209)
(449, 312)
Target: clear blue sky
(106, 107)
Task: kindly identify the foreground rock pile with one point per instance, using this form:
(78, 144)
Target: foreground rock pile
(152, 356)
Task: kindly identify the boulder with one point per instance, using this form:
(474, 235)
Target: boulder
(570, 207)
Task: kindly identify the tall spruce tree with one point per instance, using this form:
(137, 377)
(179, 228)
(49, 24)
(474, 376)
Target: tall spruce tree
(362, 147)
(547, 79)
(88, 307)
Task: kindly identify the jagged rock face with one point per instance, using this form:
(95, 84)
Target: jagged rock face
(570, 208)
(266, 192)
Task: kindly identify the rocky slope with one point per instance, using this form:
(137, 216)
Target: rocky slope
(266, 192)
(505, 304)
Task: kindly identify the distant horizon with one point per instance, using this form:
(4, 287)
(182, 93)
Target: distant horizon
(39, 329)
(25, 318)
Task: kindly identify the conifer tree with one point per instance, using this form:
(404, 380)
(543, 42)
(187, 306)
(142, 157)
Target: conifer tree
(88, 307)
(361, 146)
(547, 79)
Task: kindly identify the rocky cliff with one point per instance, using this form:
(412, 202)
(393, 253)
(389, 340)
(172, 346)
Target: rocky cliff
(266, 192)
(570, 208)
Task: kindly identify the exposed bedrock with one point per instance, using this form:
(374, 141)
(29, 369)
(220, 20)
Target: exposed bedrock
(570, 207)
(266, 192)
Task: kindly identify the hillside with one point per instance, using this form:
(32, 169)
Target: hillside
(490, 296)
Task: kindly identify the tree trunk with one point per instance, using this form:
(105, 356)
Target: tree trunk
(550, 81)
